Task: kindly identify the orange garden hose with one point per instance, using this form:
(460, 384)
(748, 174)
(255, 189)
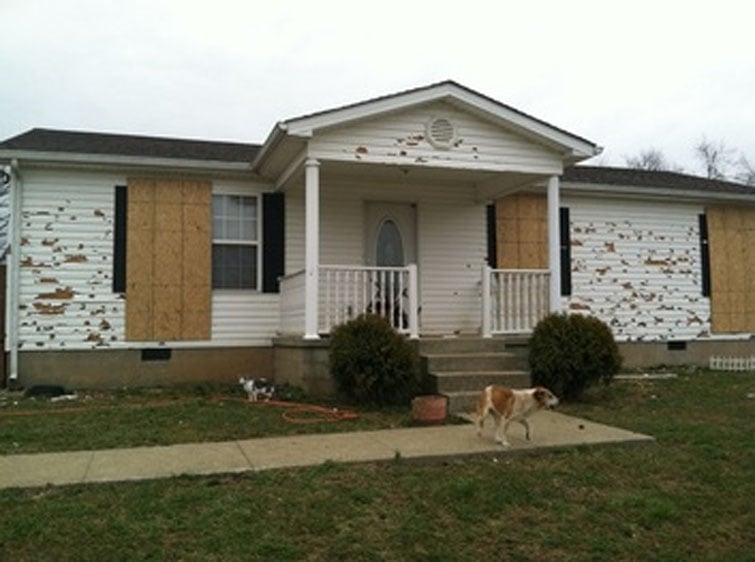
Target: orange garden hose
(295, 412)
(299, 413)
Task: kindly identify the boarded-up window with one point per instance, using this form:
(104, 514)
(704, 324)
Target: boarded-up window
(522, 231)
(168, 288)
(731, 240)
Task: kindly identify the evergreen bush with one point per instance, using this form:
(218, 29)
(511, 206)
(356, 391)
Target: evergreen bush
(569, 353)
(372, 364)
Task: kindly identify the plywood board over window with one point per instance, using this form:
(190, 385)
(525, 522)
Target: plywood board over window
(522, 231)
(731, 235)
(169, 244)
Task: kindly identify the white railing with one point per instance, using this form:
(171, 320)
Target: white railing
(292, 303)
(347, 291)
(514, 300)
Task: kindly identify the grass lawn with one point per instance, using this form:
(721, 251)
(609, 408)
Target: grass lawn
(690, 496)
(163, 416)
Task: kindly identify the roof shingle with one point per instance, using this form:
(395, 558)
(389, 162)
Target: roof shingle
(78, 142)
(630, 177)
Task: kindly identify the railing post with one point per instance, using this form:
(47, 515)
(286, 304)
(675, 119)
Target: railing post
(486, 272)
(413, 302)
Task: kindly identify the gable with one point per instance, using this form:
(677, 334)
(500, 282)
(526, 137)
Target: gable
(437, 134)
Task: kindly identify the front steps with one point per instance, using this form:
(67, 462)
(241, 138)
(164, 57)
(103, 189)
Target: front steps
(461, 367)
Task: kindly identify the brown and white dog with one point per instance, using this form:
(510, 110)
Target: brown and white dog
(508, 405)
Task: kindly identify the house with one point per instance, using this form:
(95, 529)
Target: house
(142, 260)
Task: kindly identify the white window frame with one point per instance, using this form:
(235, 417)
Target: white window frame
(222, 192)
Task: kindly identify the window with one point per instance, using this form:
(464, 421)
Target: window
(235, 246)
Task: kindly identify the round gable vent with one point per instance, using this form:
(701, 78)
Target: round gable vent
(441, 132)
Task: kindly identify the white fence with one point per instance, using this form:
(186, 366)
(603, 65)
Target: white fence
(732, 363)
(514, 300)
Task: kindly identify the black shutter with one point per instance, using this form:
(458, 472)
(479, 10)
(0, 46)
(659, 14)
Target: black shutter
(704, 254)
(492, 244)
(564, 250)
(119, 239)
(273, 231)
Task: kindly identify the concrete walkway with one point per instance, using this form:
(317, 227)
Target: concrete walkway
(550, 431)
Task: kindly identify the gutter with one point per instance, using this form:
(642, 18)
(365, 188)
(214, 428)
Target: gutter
(660, 193)
(13, 270)
(73, 158)
(273, 139)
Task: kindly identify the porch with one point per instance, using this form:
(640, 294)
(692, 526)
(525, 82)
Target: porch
(509, 301)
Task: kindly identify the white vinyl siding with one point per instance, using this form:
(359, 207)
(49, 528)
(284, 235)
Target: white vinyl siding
(636, 265)
(66, 297)
(401, 138)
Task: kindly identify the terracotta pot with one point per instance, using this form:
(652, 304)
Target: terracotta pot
(429, 409)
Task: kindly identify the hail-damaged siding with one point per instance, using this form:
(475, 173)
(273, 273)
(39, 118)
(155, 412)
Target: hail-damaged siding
(402, 139)
(636, 265)
(66, 256)
(451, 242)
(66, 262)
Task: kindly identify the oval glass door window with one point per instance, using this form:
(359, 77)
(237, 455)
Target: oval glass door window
(390, 247)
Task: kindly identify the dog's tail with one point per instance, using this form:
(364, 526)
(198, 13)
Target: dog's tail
(483, 408)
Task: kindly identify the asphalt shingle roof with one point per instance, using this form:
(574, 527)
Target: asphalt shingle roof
(630, 177)
(78, 142)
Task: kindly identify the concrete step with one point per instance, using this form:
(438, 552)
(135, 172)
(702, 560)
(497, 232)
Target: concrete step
(462, 401)
(460, 344)
(450, 381)
(475, 361)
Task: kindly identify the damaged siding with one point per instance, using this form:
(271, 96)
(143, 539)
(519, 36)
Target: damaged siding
(66, 254)
(636, 265)
(401, 139)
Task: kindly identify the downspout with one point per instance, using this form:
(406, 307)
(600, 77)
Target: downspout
(13, 271)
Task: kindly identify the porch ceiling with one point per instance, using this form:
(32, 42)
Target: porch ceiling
(488, 184)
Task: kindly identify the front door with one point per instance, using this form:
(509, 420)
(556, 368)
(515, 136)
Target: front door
(390, 242)
(390, 234)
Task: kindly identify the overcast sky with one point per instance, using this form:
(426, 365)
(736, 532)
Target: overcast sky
(628, 75)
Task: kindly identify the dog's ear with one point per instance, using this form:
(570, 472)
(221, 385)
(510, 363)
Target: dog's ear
(541, 395)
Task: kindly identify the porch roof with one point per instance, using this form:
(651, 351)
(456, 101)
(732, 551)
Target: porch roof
(288, 139)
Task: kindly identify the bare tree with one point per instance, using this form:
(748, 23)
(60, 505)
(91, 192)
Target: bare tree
(745, 171)
(716, 158)
(651, 159)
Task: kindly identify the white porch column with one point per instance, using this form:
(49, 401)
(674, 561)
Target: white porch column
(554, 243)
(311, 248)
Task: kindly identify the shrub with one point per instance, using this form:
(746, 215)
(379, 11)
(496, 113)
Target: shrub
(372, 364)
(569, 353)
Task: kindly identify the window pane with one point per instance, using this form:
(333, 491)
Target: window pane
(234, 217)
(390, 248)
(232, 230)
(234, 267)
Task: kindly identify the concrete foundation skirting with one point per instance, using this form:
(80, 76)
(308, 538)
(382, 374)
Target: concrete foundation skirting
(697, 353)
(118, 368)
(290, 359)
(303, 363)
